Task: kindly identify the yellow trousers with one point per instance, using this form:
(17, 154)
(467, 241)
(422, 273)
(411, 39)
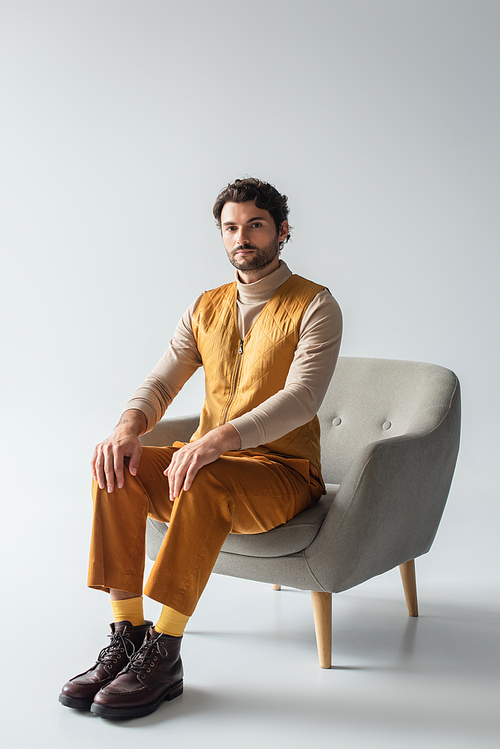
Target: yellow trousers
(241, 492)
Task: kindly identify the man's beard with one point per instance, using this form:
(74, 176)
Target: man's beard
(260, 259)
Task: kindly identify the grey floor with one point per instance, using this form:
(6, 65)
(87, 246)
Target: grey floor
(252, 678)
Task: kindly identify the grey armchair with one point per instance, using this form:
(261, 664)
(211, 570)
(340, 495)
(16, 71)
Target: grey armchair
(390, 434)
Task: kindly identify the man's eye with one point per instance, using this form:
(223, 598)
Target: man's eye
(256, 225)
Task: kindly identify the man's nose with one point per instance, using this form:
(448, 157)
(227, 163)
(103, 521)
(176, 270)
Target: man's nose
(241, 236)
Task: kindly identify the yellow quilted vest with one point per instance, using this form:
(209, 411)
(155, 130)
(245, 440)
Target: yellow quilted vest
(241, 374)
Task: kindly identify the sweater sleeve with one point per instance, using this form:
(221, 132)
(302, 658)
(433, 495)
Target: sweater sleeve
(177, 365)
(308, 378)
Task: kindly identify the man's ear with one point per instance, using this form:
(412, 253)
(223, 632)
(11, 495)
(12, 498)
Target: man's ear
(284, 229)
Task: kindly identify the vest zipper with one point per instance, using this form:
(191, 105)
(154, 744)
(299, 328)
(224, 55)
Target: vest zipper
(233, 394)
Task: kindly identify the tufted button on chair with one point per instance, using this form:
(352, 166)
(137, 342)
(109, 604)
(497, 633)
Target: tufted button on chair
(390, 434)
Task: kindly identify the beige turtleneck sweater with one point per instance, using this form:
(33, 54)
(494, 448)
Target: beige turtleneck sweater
(308, 378)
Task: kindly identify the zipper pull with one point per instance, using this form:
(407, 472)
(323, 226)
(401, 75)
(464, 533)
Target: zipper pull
(240, 350)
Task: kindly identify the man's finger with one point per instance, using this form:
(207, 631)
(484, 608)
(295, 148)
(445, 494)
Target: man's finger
(118, 469)
(109, 470)
(175, 479)
(190, 475)
(176, 472)
(186, 477)
(92, 464)
(135, 459)
(99, 470)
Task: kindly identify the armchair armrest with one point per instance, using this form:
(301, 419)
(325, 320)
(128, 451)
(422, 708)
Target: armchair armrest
(170, 430)
(388, 507)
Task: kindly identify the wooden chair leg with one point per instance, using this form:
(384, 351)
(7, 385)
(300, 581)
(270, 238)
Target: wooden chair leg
(407, 571)
(276, 587)
(322, 612)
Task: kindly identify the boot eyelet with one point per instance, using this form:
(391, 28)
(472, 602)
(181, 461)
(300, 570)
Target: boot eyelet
(148, 670)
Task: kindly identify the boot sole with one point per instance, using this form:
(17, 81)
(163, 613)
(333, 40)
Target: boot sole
(78, 703)
(123, 713)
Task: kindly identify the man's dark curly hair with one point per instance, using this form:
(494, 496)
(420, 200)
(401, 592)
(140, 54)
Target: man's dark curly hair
(265, 195)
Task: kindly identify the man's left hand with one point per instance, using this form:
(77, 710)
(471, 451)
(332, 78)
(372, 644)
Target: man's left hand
(188, 460)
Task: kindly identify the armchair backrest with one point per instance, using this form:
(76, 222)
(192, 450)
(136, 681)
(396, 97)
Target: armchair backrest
(370, 400)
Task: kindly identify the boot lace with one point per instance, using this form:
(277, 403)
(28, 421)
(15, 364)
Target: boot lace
(144, 660)
(111, 654)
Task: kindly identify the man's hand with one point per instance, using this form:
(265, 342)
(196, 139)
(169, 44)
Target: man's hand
(187, 461)
(107, 460)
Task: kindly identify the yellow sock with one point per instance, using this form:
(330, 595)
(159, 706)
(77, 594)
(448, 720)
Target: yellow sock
(128, 610)
(171, 622)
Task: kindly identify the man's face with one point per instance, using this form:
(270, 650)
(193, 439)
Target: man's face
(250, 237)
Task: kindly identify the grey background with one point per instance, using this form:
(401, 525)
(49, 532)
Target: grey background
(121, 120)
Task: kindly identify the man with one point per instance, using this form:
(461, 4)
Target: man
(268, 343)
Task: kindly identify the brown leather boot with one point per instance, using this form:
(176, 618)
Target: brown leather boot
(80, 691)
(154, 674)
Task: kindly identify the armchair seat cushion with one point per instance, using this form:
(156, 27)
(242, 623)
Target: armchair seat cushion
(289, 538)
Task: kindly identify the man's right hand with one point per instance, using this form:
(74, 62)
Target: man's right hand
(107, 460)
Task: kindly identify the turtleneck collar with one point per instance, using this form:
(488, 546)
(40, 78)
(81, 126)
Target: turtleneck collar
(261, 291)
